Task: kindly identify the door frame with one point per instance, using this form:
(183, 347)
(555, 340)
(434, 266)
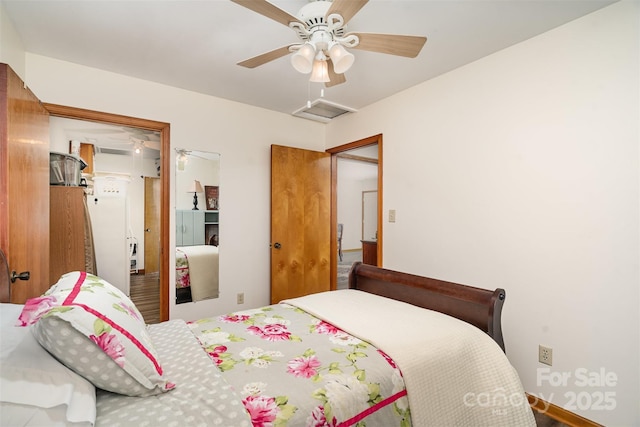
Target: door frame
(372, 140)
(163, 128)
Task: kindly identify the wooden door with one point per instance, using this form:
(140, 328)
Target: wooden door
(300, 222)
(151, 225)
(24, 185)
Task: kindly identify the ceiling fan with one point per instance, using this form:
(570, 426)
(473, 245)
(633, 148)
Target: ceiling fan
(321, 28)
(119, 138)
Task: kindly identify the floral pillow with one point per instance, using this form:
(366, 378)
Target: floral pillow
(95, 330)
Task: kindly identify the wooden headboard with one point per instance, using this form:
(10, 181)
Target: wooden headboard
(479, 307)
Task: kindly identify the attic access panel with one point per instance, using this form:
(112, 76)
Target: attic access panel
(322, 110)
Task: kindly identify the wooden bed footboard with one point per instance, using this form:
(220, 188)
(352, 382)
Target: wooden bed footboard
(479, 307)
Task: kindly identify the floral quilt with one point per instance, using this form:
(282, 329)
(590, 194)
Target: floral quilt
(183, 279)
(293, 369)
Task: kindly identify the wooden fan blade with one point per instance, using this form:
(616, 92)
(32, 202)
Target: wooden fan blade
(269, 10)
(346, 8)
(265, 57)
(391, 44)
(334, 79)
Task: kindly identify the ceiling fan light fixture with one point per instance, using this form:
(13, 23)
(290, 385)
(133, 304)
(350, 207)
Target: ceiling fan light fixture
(302, 60)
(181, 159)
(138, 145)
(341, 58)
(320, 73)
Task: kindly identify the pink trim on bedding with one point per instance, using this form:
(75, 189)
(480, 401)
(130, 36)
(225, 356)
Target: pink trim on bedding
(72, 296)
(362, 415)
(76, 288)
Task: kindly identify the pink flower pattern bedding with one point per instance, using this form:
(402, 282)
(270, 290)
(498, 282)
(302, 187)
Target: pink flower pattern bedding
(183, 279)
(292, 369)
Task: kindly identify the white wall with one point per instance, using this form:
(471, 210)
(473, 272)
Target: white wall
(241, 134)
(521, 171)
(11, 47)
(207, 171)
(349, 200)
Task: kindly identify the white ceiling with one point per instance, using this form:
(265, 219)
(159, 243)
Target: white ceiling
(109, 139)
(195, 45)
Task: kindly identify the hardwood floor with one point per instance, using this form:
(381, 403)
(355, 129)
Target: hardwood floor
(145, 294)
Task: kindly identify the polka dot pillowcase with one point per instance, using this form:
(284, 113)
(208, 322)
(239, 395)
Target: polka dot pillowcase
(95, 330)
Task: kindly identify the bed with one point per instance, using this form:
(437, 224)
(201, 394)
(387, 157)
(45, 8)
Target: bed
(370, 355)
(196, 273)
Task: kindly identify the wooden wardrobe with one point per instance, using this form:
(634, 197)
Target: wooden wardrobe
(71, 239)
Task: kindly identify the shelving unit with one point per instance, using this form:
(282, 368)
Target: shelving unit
(196, 227)
(133, 255)
(211, 227)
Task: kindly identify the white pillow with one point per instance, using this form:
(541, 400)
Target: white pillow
(34, 384)
(95, 329)
(13, 414)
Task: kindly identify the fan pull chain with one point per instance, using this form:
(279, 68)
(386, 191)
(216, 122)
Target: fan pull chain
(309, 94)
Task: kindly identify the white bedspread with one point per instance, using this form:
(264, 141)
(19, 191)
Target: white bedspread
(203, 270)
(455, 374)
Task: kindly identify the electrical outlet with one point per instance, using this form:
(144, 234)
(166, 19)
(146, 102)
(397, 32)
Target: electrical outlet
(240, 298)
(392, 215)
(545, 355)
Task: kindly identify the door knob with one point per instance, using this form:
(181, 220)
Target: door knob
(277, 245)
(147, 230)
(22, 276)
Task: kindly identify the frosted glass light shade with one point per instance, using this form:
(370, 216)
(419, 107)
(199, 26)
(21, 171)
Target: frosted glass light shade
(320, 73)
(302, 60)
(341, 58)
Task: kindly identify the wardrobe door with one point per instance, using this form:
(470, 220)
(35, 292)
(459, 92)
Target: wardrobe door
(198, 228)
(187, 228)
(24, 186)
(179, 229)
(67, 226)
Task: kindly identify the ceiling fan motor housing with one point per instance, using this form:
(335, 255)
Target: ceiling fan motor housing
(313, 14)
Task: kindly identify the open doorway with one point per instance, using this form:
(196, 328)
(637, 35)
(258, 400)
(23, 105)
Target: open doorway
(360, 164)
(163, 164)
